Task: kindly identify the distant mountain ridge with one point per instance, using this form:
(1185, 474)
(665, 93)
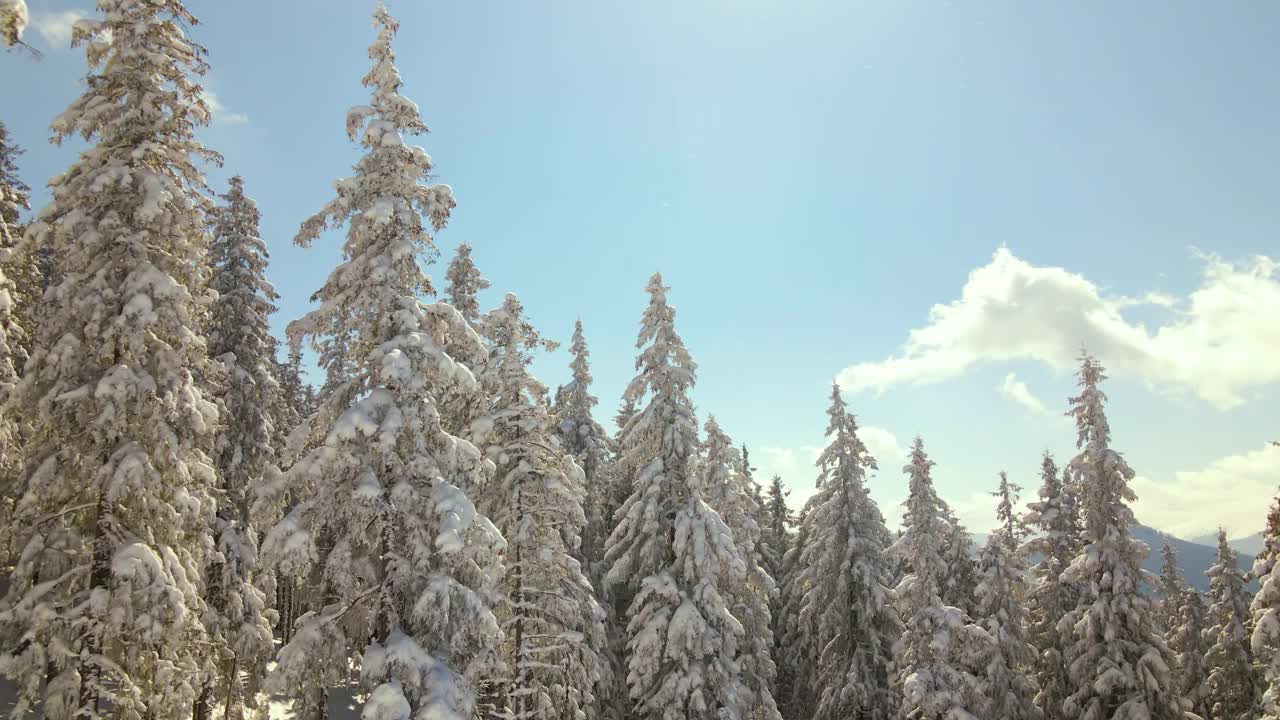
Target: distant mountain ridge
(1247, 546)
(1195, 557)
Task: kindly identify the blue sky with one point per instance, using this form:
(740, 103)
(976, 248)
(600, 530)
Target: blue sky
(813, 178)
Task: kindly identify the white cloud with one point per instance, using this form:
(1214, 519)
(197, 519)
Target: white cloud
(884, 447)
(1017, 391)
(1234, 492)
(55, 27)
(1219, 345)
(794, 465)
(221, 115)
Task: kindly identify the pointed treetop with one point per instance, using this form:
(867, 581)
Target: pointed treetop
(384, 77)
(664, 362)
(845, 454)
(464, 283)
(1087, 407)
(581, 357)
(577, 397)
(919, 463)
(1171, 582)
(1011, 529)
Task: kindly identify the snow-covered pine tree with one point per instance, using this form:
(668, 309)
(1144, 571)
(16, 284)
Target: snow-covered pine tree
(461, 406)
(291, 398)
(590, 445)
(748, 481)
(960, 581)
(290, 417)
(1118, 662)
(1186, 639)
(1265, 640)
(797, 639)
(670, 551)
(555, 650)
(1232, 685)
(1170, 586)
(846, 573)
(938, 659)
(464, 283)
(406, 566)
(776, 519)
(21, 263)
(16, 302)
(115, 521)
(1001, 605)
(1049, 597)
(240, 339)
(14, 18)
(619, 482)
(729, 486)
(627, 409)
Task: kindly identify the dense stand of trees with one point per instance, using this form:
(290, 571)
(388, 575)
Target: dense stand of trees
(188, 528)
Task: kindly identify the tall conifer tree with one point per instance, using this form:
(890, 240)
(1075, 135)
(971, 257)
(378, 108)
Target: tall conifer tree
(846, 571)
(1117, 659)
(1001, 606)
(939, 655)
(115, 520)
(555, 651)
(1232, 686)
(405, 565)
(670, 552)
(1050, 596)
(587, 441)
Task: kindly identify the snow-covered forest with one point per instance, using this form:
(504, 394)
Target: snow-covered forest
(190, 530)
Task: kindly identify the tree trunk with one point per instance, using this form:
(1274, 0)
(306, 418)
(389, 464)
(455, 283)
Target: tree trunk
(233, 681)
(201, 709)
(99, 577)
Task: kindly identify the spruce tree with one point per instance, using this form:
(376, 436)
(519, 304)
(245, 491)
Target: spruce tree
(1265, 639)
(1001, 606)
(797, 639)
(461, 406)
(775, 533)
(114, 524)
(16, 303)
(960, 578)
(729, 488)
(555, 649)
(845, 569)
(938, 657)
(1117, 660)
(1170, 586)
(590, 445)
(1186, 639)
(21, 264)
(1232, 687)
(464, 285)
(1050, 596)
(405, 566)
(291, 420)
(14, 18)
(240, 340)
(670, 552)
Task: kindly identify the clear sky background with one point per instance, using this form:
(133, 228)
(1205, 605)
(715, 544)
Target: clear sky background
(937, 203)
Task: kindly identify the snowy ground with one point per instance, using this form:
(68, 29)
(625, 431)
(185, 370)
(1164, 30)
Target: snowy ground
(342, 705)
